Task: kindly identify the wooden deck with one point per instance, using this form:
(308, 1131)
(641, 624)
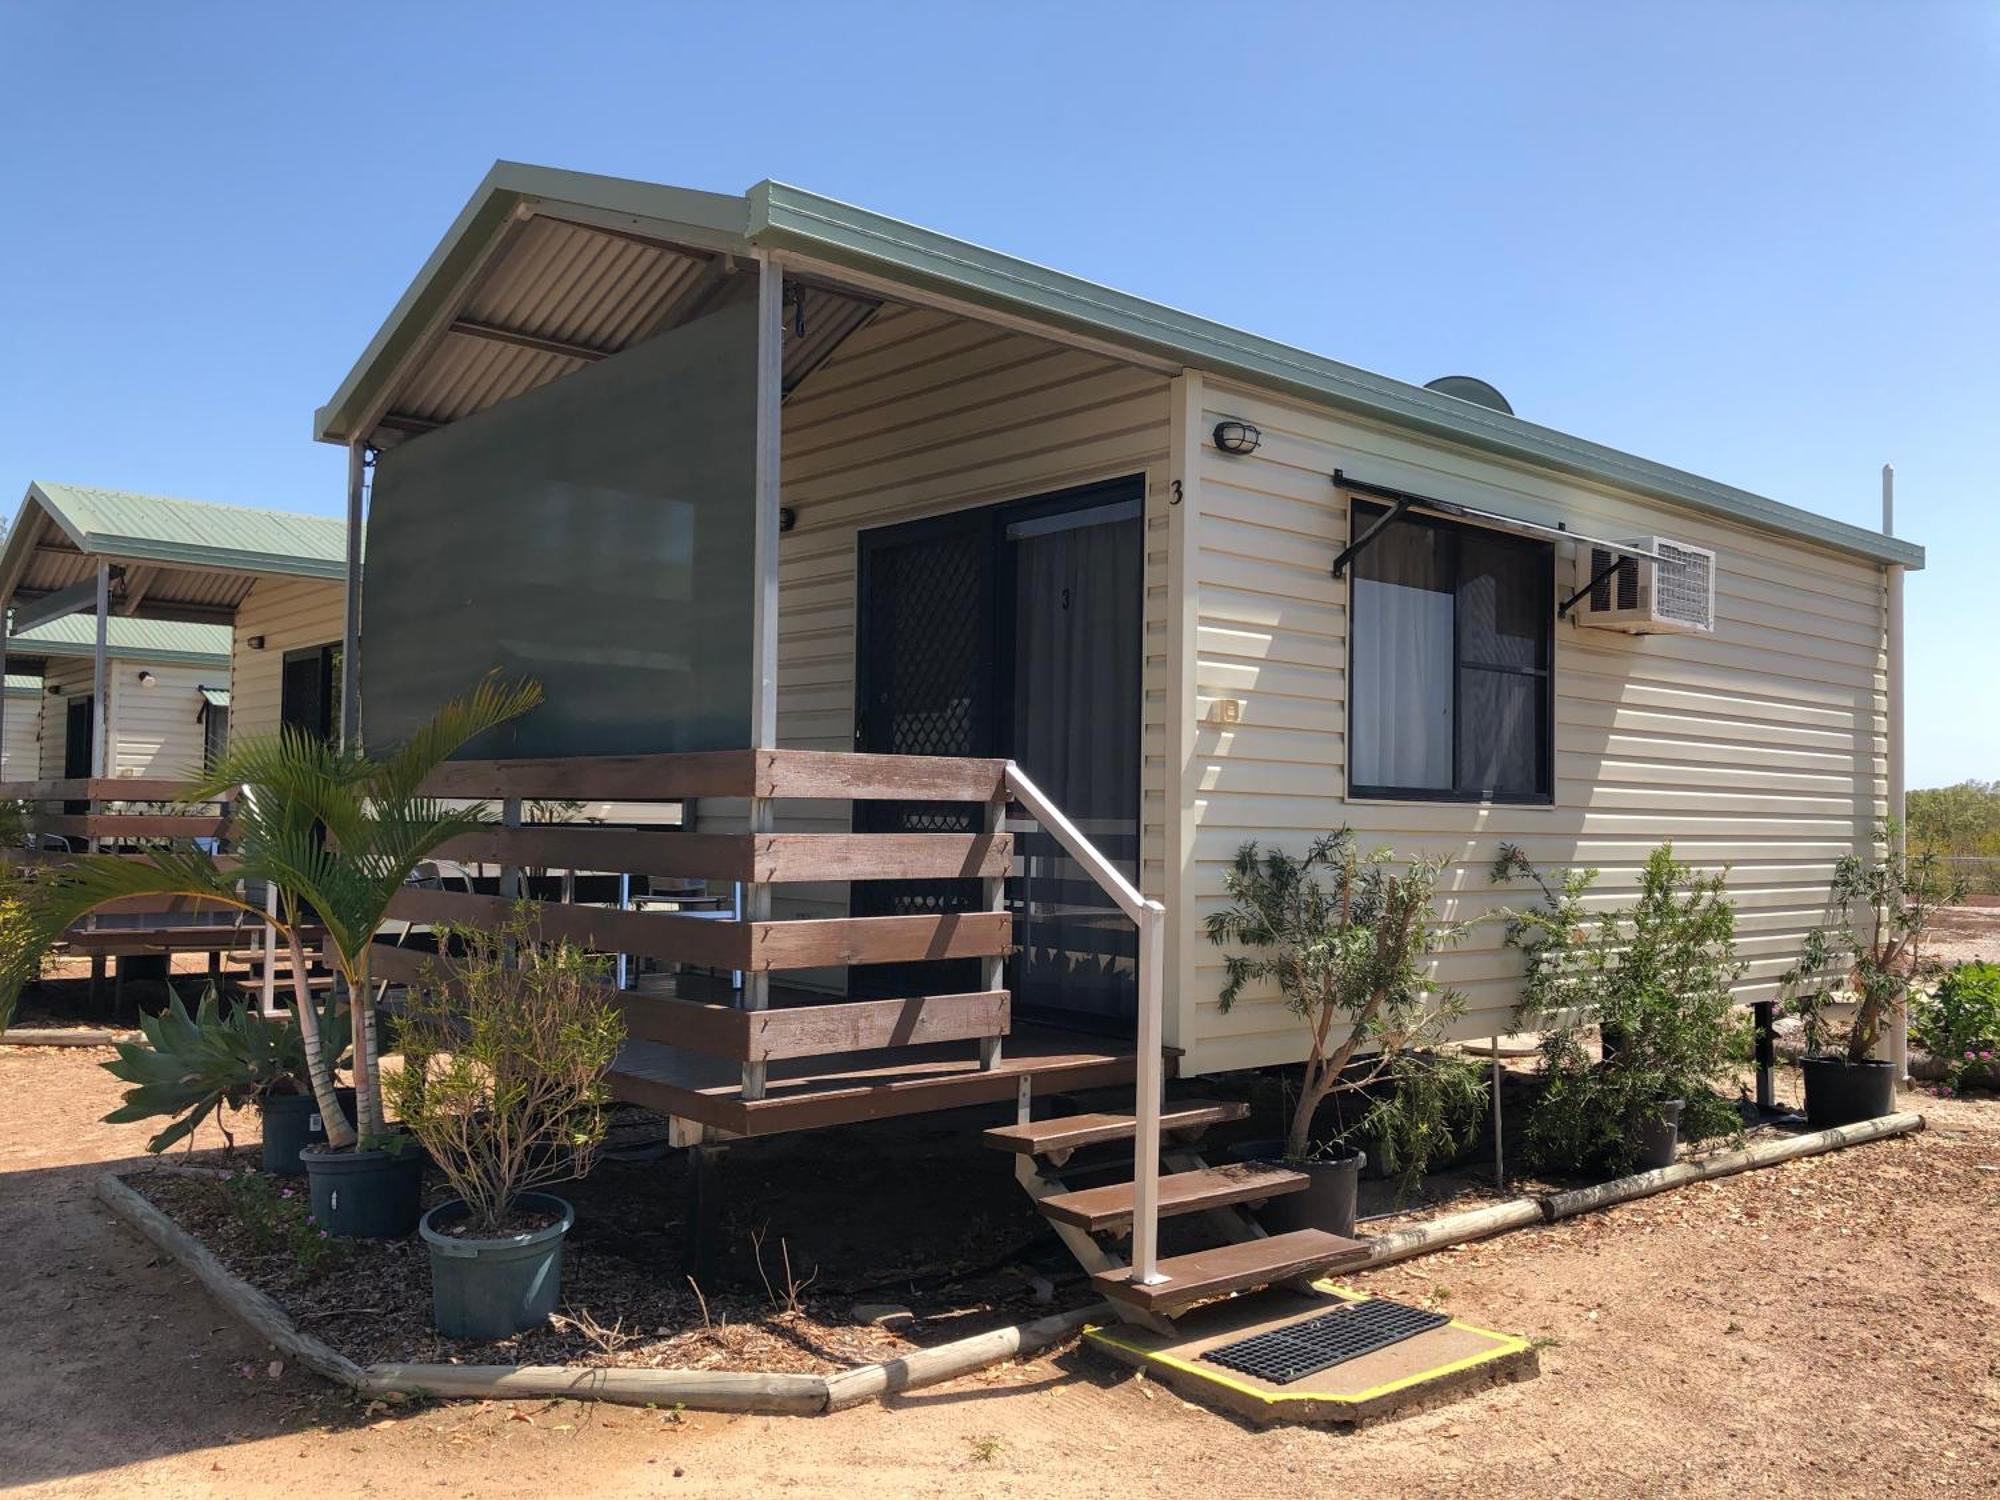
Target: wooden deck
(813, 1093)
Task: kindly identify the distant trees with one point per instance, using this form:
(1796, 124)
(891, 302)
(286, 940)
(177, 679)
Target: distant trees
(1961, 820)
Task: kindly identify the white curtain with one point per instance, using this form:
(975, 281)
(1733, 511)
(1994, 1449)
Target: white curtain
(1400, 705)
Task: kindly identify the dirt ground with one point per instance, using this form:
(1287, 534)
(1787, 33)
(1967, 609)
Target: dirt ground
(1831, 1327)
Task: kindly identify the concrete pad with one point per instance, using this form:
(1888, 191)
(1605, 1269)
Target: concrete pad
(1445, 1360)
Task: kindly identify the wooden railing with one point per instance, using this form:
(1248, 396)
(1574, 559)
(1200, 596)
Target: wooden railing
(758, 859)
(119, 809)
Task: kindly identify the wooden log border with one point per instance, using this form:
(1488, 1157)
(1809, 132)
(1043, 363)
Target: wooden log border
(809, 1395)
(57, 1036)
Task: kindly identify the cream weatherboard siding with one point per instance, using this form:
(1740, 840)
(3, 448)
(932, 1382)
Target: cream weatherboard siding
(1762, 748)
(288, 613)
(154, 728)
(20, 755)
(917, 414)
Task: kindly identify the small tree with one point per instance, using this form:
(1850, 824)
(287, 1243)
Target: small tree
(1347, 942)
(1657, 978)
(1870, 948)
(504, 1055)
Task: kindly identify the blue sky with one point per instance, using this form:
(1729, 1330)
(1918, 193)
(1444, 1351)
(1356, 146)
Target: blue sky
(1755, 240)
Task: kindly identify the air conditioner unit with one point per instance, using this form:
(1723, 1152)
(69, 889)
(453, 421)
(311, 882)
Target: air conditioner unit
(1675, 595)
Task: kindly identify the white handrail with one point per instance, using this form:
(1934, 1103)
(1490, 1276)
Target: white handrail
(1151, 918)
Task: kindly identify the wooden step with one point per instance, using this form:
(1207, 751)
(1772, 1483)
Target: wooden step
(1046, 1137)
(1206, 1274)
(1110, 1207)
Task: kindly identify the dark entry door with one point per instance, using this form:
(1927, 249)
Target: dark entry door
(1016, 631)
(79, 728)
(307, 693)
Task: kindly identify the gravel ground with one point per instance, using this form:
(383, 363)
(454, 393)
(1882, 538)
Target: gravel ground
(1831, 1327)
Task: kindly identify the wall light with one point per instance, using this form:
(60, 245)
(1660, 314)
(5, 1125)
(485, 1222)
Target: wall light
(1232, 436)
(146, 679)
(255, 643)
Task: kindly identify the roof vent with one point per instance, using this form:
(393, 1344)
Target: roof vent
(1471, 388)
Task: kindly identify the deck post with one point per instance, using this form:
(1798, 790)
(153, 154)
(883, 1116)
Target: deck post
(511, 880)
(764, 604)
(994, 890)
(1149, 1086)
(1899, 1027)
(350, 638)
(98, 680)
(5, 769)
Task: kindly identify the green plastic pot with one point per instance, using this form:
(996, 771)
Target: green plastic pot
(1660, 1136)
(291, 1123)
(486, 1289)
(366, 1195)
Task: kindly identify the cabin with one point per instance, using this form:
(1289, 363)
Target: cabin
(154, 628)
(163, 679)
(978, 614)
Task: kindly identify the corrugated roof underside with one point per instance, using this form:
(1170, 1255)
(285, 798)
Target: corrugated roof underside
(600, 293)
(56, 564)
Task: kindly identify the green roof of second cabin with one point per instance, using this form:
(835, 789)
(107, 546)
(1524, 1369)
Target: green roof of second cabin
(168, 642)
(184, 556)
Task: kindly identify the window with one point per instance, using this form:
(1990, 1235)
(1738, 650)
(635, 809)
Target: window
(1452, 637)
(214, 733)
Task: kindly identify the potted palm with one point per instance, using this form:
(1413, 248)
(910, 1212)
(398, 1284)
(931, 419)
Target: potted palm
(1347, 943)
(505, 1047)
(335, 833)
(1866, 955)
(187, 1068)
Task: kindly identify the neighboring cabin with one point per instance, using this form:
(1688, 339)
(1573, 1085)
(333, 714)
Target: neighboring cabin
(161, 696)
(235, 614)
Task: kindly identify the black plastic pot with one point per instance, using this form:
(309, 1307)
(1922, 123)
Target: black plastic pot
(1659, 1135)
(1839, 1092)
(489, 1289)
(291, 1123)
(288, 1130)
(367, 1195)
(1328, 1201)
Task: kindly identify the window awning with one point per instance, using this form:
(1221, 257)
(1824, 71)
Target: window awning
(218, 696)
(1402, 500)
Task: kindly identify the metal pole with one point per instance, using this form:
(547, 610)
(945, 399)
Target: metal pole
(756, 896)
(4, 768)
(1899, 1030)
(100, 677)
(1150, 1084)
(1499, 1152)
(350, 641)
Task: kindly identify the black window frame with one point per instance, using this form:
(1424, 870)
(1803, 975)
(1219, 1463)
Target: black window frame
(1363, 514)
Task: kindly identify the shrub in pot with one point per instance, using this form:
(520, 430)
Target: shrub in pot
(1864, 958)
(335, 832)
(505, 1048)
(1346, 942)
(1657, 976)
(189, 1067)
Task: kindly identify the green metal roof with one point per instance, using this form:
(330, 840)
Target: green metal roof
(127, 639)
(773, 216)
(184, 533)
(20, 685)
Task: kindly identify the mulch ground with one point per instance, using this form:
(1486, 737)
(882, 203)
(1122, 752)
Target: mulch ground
(812, 1228)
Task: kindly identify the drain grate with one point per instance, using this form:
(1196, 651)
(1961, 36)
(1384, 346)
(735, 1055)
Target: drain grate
(1287, 1354)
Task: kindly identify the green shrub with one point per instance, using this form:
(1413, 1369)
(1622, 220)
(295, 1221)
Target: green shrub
(275, 1219)
(1958, 1023)
(1433, 1112)
(1347, 942)
(504, 1055)
(1658, 976)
